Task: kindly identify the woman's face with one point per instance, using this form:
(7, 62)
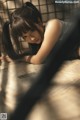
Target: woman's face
(32, 37)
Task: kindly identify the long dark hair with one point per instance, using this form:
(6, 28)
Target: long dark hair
(22, 20)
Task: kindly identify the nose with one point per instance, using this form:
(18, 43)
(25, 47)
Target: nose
(32, 38)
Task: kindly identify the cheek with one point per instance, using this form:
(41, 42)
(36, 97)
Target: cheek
(25, 45)
(38, 36)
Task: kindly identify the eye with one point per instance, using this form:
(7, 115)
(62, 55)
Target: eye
(24, 37)
(21, 39)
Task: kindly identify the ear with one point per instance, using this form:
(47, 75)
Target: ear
(8, 44)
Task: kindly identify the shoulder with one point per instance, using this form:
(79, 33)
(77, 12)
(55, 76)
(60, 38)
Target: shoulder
(53, 25)
(54, 22)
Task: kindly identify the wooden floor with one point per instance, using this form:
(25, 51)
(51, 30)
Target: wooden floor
(60, 102)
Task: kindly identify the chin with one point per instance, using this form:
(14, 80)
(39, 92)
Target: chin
(38, 42)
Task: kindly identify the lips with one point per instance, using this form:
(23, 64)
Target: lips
(38, 42)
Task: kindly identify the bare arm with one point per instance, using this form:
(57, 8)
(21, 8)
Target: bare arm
(51, 36)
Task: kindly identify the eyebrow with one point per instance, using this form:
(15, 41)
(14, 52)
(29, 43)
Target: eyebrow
(27, 33)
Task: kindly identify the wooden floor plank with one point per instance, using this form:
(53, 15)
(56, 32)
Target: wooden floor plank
(60, 102)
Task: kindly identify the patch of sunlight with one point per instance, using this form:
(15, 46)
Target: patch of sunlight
(2, 67)
(11, 88)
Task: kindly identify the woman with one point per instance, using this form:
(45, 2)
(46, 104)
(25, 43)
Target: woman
(27, 27)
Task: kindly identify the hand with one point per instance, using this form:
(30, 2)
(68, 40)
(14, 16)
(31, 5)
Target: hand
(31, 59)
(5, 58)
(27, 59)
